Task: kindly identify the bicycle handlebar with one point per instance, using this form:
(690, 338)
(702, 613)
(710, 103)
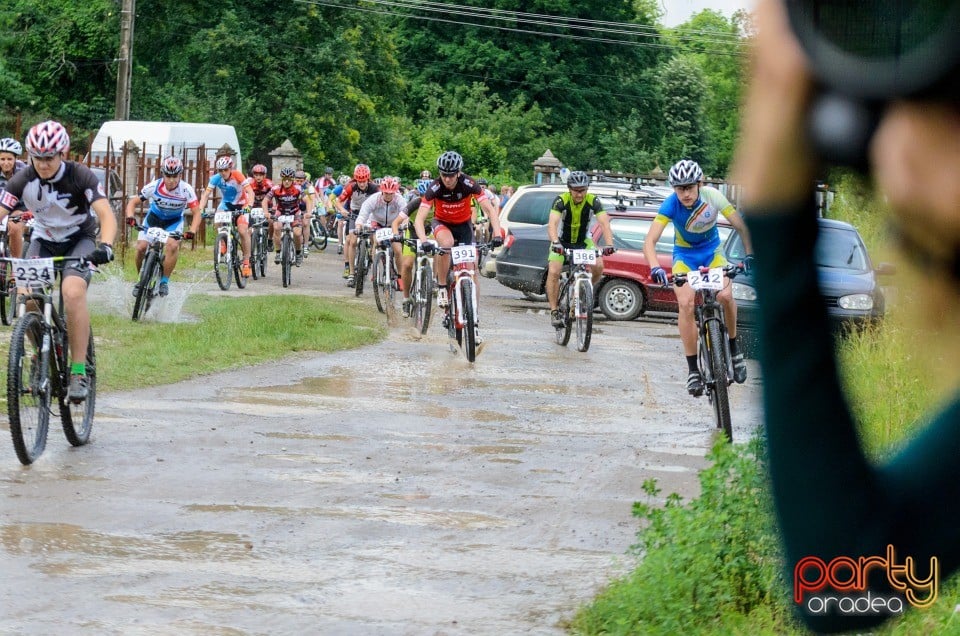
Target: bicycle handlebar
(729, 271)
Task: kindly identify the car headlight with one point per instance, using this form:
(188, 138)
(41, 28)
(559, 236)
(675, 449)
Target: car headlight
(743, 292)
(862, 302)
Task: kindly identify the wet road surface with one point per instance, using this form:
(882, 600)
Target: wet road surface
(394, 489)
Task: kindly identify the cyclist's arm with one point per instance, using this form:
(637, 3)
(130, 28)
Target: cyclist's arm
(737, 222)
(205, 196)
(249, 198)
(132, 204)
(108, 222)
(650, 243)
(397, 222)
(418, 222)
(553, 225)
(195, 218)
(604, 220)
(492, 214)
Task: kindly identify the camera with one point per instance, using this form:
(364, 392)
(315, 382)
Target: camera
(865, 53)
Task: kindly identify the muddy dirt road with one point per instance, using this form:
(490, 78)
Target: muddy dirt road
(394, 489)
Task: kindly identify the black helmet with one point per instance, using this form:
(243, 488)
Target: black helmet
(450, 163)
(578, 179)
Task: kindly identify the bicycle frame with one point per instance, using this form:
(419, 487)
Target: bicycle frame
(576, 270)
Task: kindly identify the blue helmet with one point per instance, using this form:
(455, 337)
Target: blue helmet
(422, 185)
(338, 190)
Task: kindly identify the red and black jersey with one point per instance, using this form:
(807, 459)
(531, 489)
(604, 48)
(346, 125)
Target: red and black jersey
(260, 190)
(452, 206)
(288, 199)
(356, 196)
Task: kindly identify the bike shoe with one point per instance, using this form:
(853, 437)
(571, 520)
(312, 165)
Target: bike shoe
(306, 251)
(407, 305)
(79, 389)
(339, 249)
(442, 300)
(739, 369)
(136, 289)
(269, 246)
(477, 338)
(346, 272)
(556, 318)
(695, 384)
(276, 259)
(163, 289)
(298, 261)
(350, 282)
(246, 271)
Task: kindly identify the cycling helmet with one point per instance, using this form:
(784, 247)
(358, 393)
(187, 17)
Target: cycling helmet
(259, 169)
(225, 163)
(47, 139)
(481, 181)
(685, 172)
(361, 172)
(422, 185)
(328, 170)
(425, 174)
(450, 163)
(171, 166)
(288, 173)
(578, 179)
(300, 174)
(343, 180)
(338, 190)
(389, 185)
(11, 145)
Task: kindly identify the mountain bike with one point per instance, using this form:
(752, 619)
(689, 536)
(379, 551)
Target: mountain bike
(576, 297)
(318, 231)
(259, 226)
(8, 285)
(421, 286)
(384, 273)
(226, 250)
(151, 271)
(713, 344)
(288, 252)
(463, 313)
(361, 260)
(38, 364)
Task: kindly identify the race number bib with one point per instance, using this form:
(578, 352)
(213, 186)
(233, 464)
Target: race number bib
(256, 214)
(463, 254)
(711, 280)
(223, 216)
(584, 257)
(156, 234)
(285, 218)
(383, 234)
(30, 272)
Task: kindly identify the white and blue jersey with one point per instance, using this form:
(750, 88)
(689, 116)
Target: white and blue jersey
(167, 205)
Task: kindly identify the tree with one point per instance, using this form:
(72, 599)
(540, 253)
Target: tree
(685, 131)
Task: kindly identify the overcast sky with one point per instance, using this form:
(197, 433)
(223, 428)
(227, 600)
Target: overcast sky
(679, 11)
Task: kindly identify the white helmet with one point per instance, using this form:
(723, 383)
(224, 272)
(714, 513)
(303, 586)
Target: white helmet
(685, 172)
(11, 145)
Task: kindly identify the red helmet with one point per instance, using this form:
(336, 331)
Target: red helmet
(361, 172)
(225, 163)
(259, 169)
(47, 139)
(389, 185)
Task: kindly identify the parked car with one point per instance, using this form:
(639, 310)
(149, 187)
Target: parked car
(625, 291)
(530, 206)
(113, 188)
(848, 281)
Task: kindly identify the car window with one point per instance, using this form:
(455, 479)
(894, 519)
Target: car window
(631, 233)
(736, 251)
(532, 207)
(840, 249)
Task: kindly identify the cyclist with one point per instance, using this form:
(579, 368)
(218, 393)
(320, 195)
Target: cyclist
(408, 254)
(694, 209)
(355, 192)
(382, 209)
(307, 205)
(69, 204)
(169, 197)
(326, 181)
(450, 198)
(237, 195)
(10, 150)
(285, 199)
(331, 204)
(568, 228)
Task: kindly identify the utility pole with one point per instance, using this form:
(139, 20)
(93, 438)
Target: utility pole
(125, 70)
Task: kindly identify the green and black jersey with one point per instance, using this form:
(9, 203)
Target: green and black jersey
(576, 218)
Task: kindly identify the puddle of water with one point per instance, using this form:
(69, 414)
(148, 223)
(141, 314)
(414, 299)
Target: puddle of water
(113, 295)
(496, 450)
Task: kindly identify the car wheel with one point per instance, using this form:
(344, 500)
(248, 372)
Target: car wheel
(621, 299)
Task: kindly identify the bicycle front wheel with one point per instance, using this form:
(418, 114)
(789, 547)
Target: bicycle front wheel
(286, 259)
(237, 260)
(28, 389)
(255, 249)
(583, 313)
(8, 295)
(468, 313)
(222, 261)
(422, 295)
(318, 233)
(564, 306)
(380, 281)
(142, 303)
(77, 419)
(718, 387)
(360, 269)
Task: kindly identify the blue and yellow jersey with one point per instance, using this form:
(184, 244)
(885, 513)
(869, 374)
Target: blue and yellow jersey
(696, 226)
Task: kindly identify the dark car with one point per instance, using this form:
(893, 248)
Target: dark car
(625, 291)
(848, 281)
(113, 189)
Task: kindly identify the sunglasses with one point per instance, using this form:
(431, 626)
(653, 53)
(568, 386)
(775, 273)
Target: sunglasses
(578, 190)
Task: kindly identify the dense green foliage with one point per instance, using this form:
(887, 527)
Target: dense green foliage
(393, 84)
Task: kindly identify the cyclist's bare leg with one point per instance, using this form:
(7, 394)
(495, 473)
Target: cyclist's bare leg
(141, 253)
(596, 272)
(15, 239)
(351, 250)
(442, 261)
(298, 237)
(685, 320)
(553, 283)
(74, 290)
(171, 253)
(406, 274)
(729, 309)
(244, 229)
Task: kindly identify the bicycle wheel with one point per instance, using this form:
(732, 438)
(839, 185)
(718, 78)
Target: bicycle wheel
(28, 389)
(237, 260)
(222, 261)
(360, 269)
(422, 296)
(77, 419)
(264, 252)
(380, 282)
(583, 313)
(566, 313)
(255, 253)
(147, 272)
(718, 387)
(318, 233)
(286, 258)
(469, 322)
(8, 295)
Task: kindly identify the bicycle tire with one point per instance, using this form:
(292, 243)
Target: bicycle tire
(424, 297)
(379, 275)
(28, 406)
(221, 261)
(718, 390)
(264, 252)
(318, 233)
(583, 313)
(286, 259)
(469, 322)
(360, 269)
(142, 303)
(255, 253)
(81, 413)
(563, 306)
(8, 295)
(237, 260)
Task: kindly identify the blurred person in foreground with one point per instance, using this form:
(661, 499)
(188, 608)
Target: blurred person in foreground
(831, 501)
